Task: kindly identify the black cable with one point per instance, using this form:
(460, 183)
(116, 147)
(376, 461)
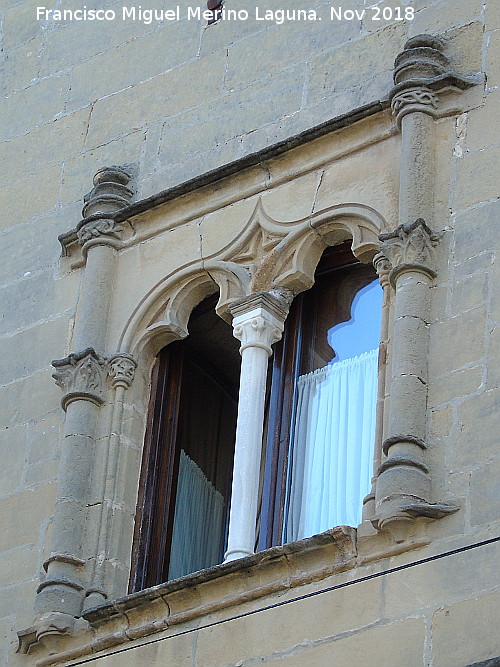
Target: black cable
(392, 570)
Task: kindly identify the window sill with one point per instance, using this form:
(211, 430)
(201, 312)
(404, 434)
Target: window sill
(198, 595)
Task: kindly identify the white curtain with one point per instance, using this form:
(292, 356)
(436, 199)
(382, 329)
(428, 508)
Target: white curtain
(198, 521)
(332, 446)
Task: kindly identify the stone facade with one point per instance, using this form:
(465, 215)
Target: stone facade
(227, 157)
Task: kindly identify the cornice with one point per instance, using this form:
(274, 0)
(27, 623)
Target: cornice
(69, 239)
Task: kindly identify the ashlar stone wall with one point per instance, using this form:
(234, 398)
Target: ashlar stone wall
(175, 100)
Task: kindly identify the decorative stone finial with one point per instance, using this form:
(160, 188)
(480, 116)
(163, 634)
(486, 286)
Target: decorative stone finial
(421, 70)
(109, 194)
(422, 58)
(110, 191)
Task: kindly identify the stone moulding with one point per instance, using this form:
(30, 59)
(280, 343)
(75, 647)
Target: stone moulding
(156, 609)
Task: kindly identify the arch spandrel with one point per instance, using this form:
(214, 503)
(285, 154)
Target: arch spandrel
(268, 255)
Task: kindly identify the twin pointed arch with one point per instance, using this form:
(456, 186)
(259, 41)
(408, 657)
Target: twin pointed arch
(267, 255)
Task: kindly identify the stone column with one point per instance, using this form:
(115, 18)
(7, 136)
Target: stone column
(403, 486)
(83, 378)
(383, 267)
(258, 323)
(404, 478)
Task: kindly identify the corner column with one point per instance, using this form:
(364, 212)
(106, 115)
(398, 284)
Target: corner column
(258, 323)
(83, 377)
(403, 485)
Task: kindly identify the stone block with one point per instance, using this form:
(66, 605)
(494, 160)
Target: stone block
(292, 201)
(457, 385)
(171, 651)
(483, 124)
(20, 24)
(469, 293)
(192, 166)
(219, 35)
(284, 628)
(475, 231)
(492, 15)
(79, 171)
(87, 40)
(479, 419)
(23, 593)
(354, 63)
(28, 153)
(455, 577)
(493, 365)
(476, 178)
(43, 437)
(20, 66)
(18, 565)
(241, 112)
(466, 632)
(219, 228)
(26, 199)
(369, 177)
(440, 422)
(29, 398)
(485, 493)
(13, 456)
(493, 60)
(163, 96)
(457, 342)
(391, 645)
(35, 299)
(32, 350)
(438, 18)
(33, 505)
(33, 106)
(29, 253)
(133, 62)
(275, 48)
(465, 48)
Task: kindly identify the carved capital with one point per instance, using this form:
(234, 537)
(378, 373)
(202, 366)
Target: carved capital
(121, 370)
(410, 247)
(258, 320)
(81, 376)
(414, 99)
(98, 229)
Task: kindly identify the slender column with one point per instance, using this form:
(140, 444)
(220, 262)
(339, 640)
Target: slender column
(383, 267)
(404, 478)
(258, 323)
(83, 378)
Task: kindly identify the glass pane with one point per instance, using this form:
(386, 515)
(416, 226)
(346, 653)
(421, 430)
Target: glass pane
(333, 425)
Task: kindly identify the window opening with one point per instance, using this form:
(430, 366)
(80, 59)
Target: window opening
(319, 446)
(189, 452)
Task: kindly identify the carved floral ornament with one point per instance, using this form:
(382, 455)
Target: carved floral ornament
(82, 376)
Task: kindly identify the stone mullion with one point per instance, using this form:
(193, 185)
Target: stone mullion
(258, 322)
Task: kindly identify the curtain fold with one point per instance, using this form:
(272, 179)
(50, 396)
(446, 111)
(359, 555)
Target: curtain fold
(332, 446)
(198, 521)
